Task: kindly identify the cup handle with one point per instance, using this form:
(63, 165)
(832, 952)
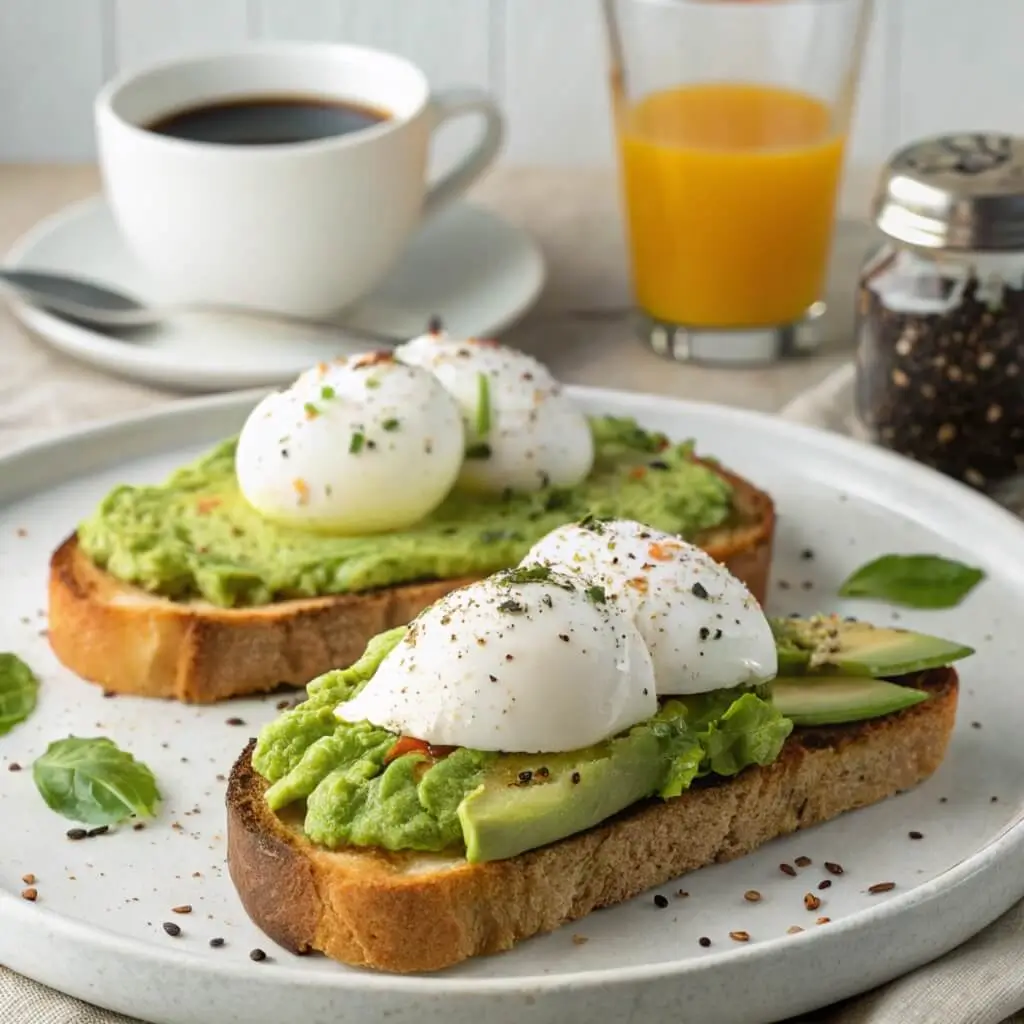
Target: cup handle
(450, 103)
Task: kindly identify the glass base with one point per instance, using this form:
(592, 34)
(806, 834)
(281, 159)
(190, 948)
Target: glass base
(738, 347)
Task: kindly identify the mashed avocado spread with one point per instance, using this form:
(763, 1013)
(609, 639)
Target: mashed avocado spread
(365, 786)
(196, 536)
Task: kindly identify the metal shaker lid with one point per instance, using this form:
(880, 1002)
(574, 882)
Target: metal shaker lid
(963, 192)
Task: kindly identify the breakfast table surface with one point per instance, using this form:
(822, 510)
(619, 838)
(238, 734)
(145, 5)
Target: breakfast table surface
(579, 326)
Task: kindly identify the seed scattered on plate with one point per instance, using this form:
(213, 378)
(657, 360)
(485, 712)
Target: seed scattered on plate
(704, 941)
(787, 869)
(185, 908)
(257, 955)
(661, 902)
(803, 862)
(139, 826)
(236, 721)
(752, 896)
(14, 767)
(916, 835)
(579, 940)
(75, 834)
(739, 936)
(100, 830)
(811, 902)
(30, 894)
(833, 868)
(823, 920)
(793, 929)
(29, 879)
(216, 943)
(975, 725)
(172, 929)
(825, 883)
(881, 887)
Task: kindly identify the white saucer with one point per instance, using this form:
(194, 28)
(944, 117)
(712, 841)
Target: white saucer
(466, 265)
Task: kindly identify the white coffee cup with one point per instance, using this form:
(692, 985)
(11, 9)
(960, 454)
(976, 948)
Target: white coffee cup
(302, 228)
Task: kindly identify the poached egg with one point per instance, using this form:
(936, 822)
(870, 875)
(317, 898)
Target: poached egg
(529, 660)
(359, 445)
(704, 629)
(523, 432)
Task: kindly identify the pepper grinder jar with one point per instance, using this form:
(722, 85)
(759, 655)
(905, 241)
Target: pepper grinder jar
(940, 310)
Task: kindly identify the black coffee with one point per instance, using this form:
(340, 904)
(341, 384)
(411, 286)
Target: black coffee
(268, 120)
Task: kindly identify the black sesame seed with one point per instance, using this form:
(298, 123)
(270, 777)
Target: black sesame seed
(661, 902)
(658, 464)
(172, 929)
(257, 955)
(76, 833)
(100, 830)
(704, 632)
(575, 778)
(699, 590)
(807, 554)
(704, 941)
(916, 835)
(216, 943)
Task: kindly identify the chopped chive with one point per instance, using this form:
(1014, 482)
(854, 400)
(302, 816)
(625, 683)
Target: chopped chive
(390, 424)
(483, 404)
(327, 392)
(311, 410)
(356, 444)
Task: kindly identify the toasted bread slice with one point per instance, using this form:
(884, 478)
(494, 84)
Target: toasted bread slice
(130, 641)
(418, 912)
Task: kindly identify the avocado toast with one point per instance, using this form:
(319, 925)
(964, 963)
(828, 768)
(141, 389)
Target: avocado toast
(350, 834)
(186, 590)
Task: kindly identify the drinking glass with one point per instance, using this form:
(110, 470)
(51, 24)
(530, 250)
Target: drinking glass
(731, 118)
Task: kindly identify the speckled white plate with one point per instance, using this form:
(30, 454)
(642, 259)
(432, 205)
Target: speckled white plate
(476, 271)
(96, 932)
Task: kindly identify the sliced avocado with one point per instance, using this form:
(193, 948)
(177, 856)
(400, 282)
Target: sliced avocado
(526, 802)
(813, 700)
(828, 645)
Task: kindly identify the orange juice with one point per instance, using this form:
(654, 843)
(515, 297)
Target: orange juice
(730, 195)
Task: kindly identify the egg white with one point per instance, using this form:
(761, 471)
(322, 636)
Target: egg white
(523, 432)
(704, 629)
(359, 445)
(513, 664)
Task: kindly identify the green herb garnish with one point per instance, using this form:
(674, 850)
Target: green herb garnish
(390, 424)
(597, 594)
(373, 382)
(95, 782)
(480, 450)
(311, 410)
(327, 392)
(356, 443)
(914, 581)
(483, 404)
(19, 690)
(512, 607)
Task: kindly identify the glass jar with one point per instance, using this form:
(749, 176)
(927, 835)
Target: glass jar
(940, 311)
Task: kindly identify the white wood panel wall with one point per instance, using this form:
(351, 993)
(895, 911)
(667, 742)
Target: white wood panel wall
(932, 64)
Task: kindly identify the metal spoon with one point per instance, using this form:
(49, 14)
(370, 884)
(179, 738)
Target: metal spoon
(98, 305)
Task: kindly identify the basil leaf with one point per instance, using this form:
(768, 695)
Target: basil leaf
(19, 689)
(94, 782)
(915, 581)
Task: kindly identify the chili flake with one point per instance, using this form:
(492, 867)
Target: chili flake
(301, 489)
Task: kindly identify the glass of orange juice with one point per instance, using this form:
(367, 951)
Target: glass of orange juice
(731, 118)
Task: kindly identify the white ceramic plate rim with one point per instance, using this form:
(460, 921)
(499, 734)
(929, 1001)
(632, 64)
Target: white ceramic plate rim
(141, 363)
(993, 526)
